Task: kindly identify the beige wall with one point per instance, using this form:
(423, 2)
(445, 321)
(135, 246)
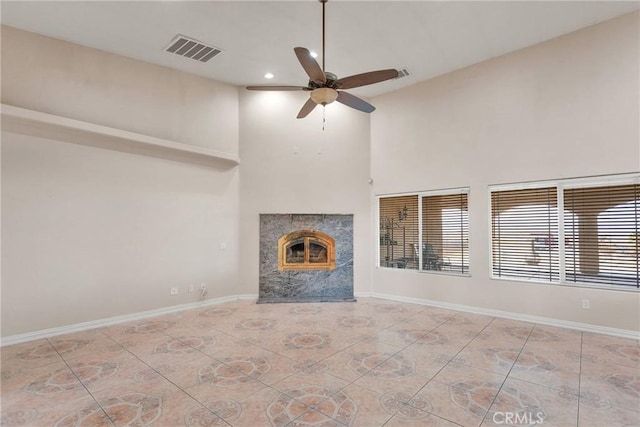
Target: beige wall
(276, 180)
(561, 109)
(52, 76)
(89, 233)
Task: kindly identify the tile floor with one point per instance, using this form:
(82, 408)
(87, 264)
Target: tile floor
(369, 363)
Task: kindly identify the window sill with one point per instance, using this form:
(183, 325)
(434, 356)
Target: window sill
(569, 284)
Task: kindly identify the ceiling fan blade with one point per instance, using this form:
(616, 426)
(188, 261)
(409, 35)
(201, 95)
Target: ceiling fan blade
(307, 108)
(364, 79)
(310, 65)
(354, 102)
(276, 88)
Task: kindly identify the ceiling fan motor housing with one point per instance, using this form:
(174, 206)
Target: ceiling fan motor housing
(331, 79)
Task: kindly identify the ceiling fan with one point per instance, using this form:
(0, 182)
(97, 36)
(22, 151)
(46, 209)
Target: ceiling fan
(325, 87)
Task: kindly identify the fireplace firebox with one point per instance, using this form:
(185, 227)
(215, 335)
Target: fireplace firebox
(306, 250)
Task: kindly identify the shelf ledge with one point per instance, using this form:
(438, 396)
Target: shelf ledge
(35, 123)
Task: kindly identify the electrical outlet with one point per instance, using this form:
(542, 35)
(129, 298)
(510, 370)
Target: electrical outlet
(203, 287)
(191, 288)
(223, 246)
(585, 304)
(174, 291)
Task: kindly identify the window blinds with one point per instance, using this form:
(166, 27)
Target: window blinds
(399, 232)
(445, 232)
(601, 234)
(525, 234)
(597, 243)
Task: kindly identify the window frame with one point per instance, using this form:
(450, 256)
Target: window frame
(420, 195)
(561, 185)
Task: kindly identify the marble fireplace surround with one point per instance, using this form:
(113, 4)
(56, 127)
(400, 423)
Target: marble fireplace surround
(277, 285)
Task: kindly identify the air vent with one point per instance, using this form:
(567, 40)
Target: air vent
(403, 72)
(191, 48)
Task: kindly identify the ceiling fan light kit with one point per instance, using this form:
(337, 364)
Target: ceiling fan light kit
(325, 87)
(324, 95)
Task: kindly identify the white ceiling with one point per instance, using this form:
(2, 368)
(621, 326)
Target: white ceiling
(429, 38)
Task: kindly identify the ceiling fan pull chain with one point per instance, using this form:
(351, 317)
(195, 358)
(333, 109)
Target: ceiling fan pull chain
(324, 119)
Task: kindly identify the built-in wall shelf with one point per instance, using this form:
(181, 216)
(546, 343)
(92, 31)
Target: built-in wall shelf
(35, 123)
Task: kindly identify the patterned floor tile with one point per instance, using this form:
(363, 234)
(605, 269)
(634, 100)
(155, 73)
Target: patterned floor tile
(194, 372)
(397, 373)
(555, 406)
(506, 331)
(553, 366)
(233, 390)
(139, 328)
(605, 416)
(489, 356)
(369, 363)
(315, 418)
(259, 364)
(604, 348)
(619, 388)
(52, 381)
(357, 360)
(85, 343)
(28, 355)
(443, 344)
(405, 333)
(458, 375)
(321, 381)
(372, 408)
(409, 416)
(81, 411)
(465, 407)
(305, 341)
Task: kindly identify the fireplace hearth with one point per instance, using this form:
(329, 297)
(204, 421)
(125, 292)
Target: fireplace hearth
(306, 258)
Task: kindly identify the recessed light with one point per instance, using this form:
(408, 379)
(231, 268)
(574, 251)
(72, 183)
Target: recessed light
(313, 54)
(268, 76)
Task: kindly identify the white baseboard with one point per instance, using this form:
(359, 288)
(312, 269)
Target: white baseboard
(624, 333)
(84, 326)
(78, 327)
(363, 294)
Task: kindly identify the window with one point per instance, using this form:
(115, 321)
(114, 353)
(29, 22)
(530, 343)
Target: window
(593, 240)
(524, 232)
(427, 231)
(399, 232)
(602, 239)
(445, 232)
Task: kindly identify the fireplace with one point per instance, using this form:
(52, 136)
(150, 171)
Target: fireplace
(306, 250)
(306, 258)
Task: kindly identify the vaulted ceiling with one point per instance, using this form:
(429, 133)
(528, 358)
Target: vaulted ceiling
(428, 38)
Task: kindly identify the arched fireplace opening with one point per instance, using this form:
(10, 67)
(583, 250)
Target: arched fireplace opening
(306, 250)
